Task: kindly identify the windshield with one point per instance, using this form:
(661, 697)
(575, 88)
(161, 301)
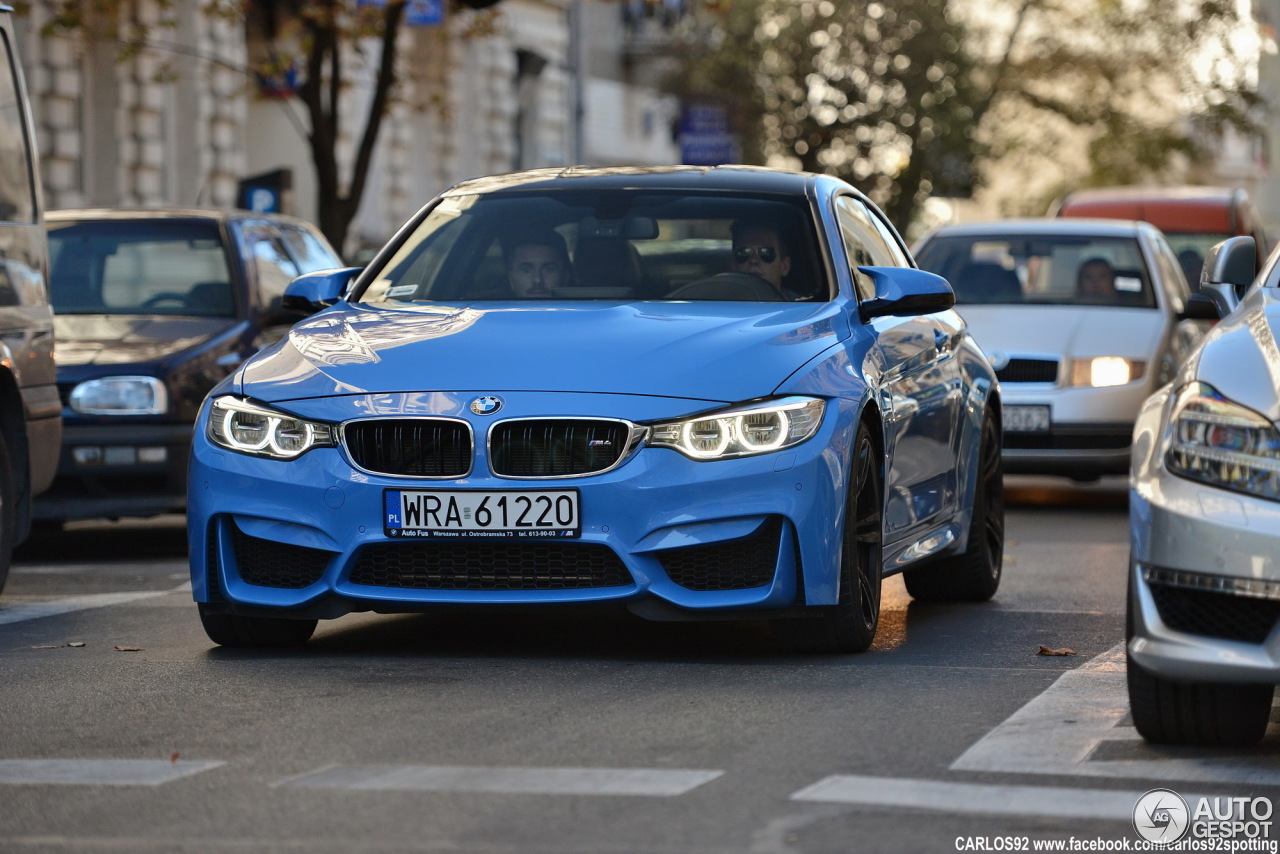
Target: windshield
(606, 245)
(143, 266)
(1041, 270)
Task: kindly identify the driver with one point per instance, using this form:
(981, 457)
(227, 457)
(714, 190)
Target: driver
(759, 249)
(537, 264)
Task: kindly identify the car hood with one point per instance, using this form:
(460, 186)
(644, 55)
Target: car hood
(124, 339)
(1241, 357)
(1065, 330)
(712, 351)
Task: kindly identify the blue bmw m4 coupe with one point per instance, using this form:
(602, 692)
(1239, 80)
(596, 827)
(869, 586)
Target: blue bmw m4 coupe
(692, 393)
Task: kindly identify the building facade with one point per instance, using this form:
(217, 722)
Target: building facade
(527, 83)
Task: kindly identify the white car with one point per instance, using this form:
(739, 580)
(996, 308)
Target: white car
(1083, 319)
(1204, 514)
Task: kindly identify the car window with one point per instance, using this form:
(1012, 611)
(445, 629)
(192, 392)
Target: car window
(273, 268)
(606, 244)
(309, 251)
(864, 244)
(139, 267)
(17, 189)
(1048, 269)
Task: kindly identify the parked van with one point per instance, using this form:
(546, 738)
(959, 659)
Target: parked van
(30, 412)
(1193, 218)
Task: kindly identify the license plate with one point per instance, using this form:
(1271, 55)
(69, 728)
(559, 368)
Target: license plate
(474, 513)
(1026, 419)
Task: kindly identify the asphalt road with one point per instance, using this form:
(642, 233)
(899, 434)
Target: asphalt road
(122, 729)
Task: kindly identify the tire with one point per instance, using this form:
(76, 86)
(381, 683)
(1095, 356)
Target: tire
(236, 631)
(8, 512)
(974, 575)
(850, 625)
(1212, 714)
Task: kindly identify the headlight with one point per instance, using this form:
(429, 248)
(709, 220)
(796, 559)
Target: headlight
(742, 432)
(238, 425)
(1105, 371)
(120, 396)
(1222, 443)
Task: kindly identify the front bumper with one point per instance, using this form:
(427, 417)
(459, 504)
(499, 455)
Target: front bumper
(1090, 431)
(1205, 581)
(661, 533)
(116, 470)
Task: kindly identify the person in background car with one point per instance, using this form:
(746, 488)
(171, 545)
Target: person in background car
(1096, 282)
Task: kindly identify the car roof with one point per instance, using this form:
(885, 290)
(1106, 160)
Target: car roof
(1044, 226)
(1174, 209)
(221, 215)
(755, 179)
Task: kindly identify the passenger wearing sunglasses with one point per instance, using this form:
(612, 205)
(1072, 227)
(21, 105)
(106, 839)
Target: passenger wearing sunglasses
(760, 250)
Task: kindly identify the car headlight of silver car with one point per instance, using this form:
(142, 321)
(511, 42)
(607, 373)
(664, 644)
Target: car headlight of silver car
(1106, 371)
(120, 396)
(237, 425)
(742, 431)
(1217, 441)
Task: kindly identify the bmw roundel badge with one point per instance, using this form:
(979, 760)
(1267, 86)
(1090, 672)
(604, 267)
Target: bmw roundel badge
(486, 405)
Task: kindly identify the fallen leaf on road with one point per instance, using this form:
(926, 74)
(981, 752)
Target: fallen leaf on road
(76, 644)
(135, 649)
(1044, 650)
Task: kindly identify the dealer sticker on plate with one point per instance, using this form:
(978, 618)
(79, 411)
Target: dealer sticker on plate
(474, 513)
(1026, 419)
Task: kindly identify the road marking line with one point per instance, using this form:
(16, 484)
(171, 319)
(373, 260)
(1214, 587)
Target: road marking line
(98, 772)
(1060, 731)
(940, 796)
(56, 607)
(653, 782)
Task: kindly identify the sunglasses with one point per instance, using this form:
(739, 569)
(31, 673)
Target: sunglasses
(766, 254)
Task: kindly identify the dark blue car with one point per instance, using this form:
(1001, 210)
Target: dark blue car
(153, 308)
(691, 393)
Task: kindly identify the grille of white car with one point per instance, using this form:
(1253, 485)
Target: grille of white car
(1029, 371)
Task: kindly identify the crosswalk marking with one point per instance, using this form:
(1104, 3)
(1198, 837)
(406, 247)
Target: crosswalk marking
(1075, 728)
(56, 607)
(1052, 802)
(98, 772)
(655, 782)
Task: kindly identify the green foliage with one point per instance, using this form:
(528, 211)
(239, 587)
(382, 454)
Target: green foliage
(913, 98)
(879, 94)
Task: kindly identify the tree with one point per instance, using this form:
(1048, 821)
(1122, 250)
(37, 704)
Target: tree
(318, 41)
(1142, 83)
(913, 98)
(881, 94)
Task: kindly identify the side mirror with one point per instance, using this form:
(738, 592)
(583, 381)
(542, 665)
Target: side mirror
(1200, 307)
(1228, 271)
(312, 292)
(904, 291)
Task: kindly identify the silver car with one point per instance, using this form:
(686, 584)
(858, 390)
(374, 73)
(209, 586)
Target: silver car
(1204, 588)
(1082, 318)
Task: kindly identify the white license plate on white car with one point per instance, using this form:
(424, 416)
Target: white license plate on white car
(474, 513)
(1026, 419)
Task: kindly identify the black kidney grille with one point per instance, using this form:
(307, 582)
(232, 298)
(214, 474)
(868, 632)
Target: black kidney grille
(410, 447)
(1029, 371)
(500, 565)
(267, 563)
(734, 565)
(1214, 614)
(556, 447)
